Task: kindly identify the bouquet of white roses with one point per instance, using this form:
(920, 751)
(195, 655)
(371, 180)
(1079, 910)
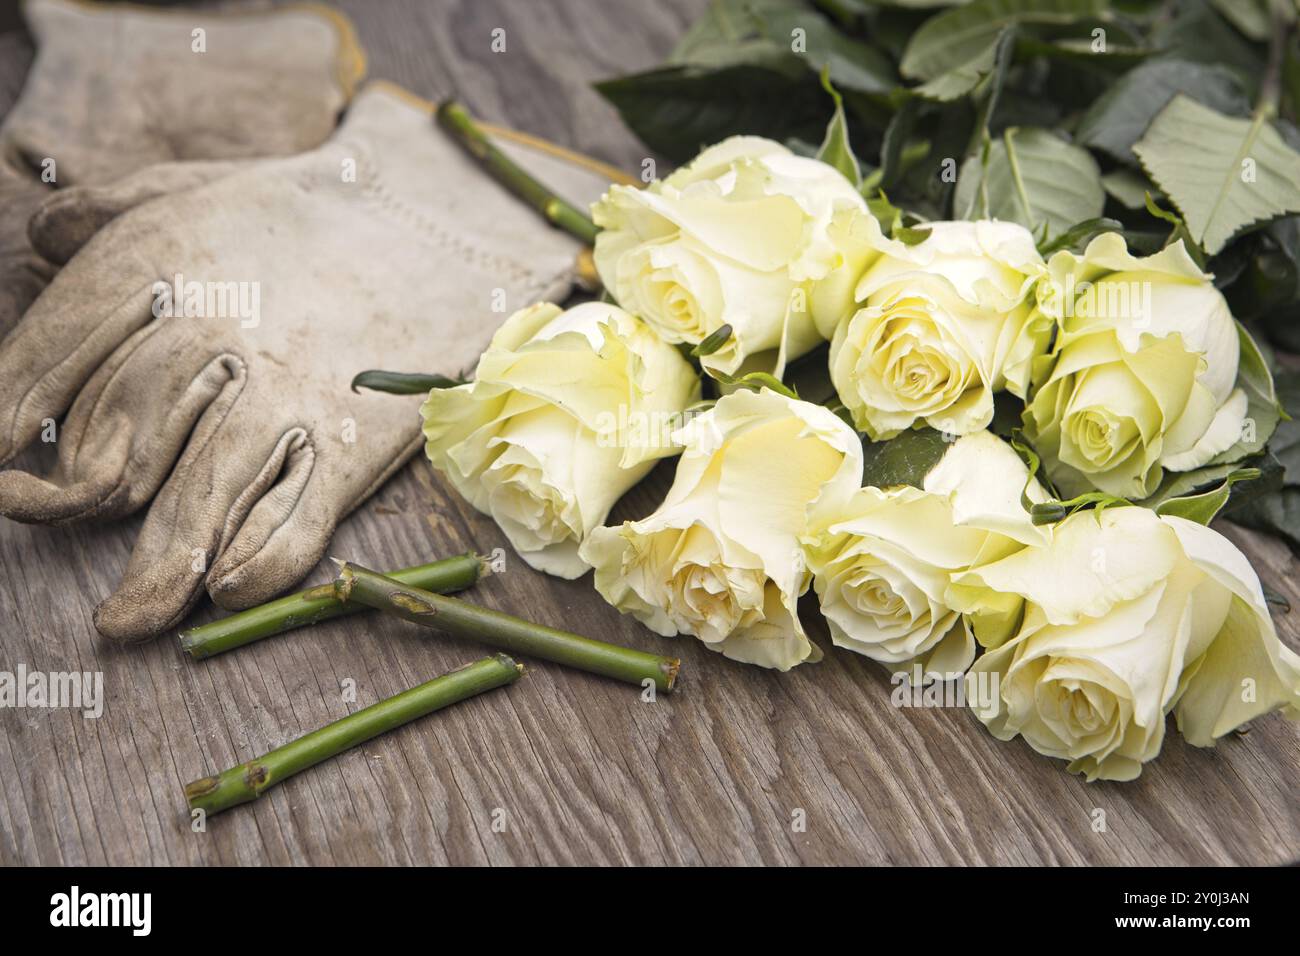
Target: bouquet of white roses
(1025, 424)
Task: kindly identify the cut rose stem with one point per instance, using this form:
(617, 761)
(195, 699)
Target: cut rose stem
(250, 780)
(563, 215)
(502, 631)
(319, 604)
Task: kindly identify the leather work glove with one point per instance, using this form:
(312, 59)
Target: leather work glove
(114, 89)
(385, 248)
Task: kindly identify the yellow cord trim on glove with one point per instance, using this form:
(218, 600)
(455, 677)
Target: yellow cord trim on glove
(612, 173)
(351, 66)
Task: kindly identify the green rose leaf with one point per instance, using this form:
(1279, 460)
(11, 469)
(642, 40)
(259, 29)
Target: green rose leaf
(1033, 177)
(713, 341)
(1222, 173)
(1079, 235)
(1250, 17)
(1128, 187)
(962, 35)
(783, 35)
(1188, 484)
(964, 78)
(402, 383)
(1202, 507)
(1197, 33)
(835, 149)
(1122, 114)
(1279, 512)
(1179, 232)
(1263, 410)
(678, 110)
(905, 459)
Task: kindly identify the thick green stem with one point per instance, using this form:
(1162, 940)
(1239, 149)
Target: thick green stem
(502, 630)
(249, 780)
(318, 604)
(456, 120)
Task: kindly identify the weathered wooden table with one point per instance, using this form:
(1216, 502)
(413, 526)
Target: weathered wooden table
(740, 766)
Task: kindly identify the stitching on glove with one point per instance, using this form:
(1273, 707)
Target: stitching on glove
(374, 188)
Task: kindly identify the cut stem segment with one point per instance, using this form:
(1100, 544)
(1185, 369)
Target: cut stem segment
(319, 604)
(250, 780)
(455, 119)
(502, 630)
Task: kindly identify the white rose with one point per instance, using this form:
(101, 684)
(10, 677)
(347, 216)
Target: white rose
(1130, 615)
(568, 410)
(734, 238)
(721, 557)
(1144, 370)
(929, 332)
(883, 560)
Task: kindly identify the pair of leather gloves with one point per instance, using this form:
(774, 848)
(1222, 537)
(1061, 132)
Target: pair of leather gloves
(203, 311)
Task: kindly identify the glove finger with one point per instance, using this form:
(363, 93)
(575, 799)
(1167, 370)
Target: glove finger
(35, 500)
(67, 218)
(23, 273)
(90, 309)
(284, 536)
(289, 529)
(127, 427)
(222, 474)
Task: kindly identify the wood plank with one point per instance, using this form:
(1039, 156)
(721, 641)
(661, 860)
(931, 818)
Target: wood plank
(580, 769)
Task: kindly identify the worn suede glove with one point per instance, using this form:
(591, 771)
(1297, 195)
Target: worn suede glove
(385, 248)
(116, 88)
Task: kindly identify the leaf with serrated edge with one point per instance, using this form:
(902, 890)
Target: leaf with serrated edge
(1123, 113)
(1034, 178)
(1198, 156)
(958, 35)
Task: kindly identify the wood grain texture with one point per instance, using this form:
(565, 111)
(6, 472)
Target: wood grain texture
(580, 769)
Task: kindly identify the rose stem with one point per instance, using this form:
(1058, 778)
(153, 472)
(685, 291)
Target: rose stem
(501, 630)
(248, 781)
(456, 120)
(318, 604)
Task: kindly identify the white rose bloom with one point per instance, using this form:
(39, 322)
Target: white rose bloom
(721, 557)
(733, 238)
(568, 410)
(883, 560)
(929, 332)
(1130, 615)
(1144, 370)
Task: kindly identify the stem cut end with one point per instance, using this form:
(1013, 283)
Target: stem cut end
(192, 646)
(670, 667)
(343, 583)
